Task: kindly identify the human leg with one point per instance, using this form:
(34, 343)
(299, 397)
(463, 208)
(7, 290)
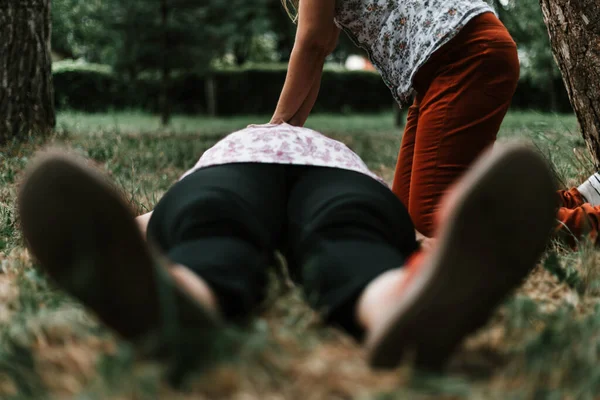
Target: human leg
(344, 229)
(576, 217)
(403, 173)
(578, 222)
(571, 198)
(222, 223)
(464, 92)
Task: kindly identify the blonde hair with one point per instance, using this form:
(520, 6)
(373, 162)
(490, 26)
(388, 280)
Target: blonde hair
(288, 5)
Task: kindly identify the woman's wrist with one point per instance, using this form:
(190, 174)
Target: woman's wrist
(276, 120)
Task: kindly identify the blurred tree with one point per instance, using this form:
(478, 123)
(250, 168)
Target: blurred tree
(166, 37)
(26, 94)
(574, 29)
(179, 33)
(79, 31)
(156, 38)
(283, 28)
(524, 20)
(285, 31)
(250, 18)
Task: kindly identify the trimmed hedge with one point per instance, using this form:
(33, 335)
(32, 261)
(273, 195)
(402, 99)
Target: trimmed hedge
(88, 87)
(252, 90)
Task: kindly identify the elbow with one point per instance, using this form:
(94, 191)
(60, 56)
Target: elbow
(320, 46)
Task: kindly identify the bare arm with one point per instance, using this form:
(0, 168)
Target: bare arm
(316, 37)
(302, 115)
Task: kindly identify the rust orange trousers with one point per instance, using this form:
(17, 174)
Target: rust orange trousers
(576, 219)
(463, 93)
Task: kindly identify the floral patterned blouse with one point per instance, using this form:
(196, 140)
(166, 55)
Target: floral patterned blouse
(282, 144)
(400, 35)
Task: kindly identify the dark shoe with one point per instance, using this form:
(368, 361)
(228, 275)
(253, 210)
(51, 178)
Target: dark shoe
(498, 221)
(85, 238)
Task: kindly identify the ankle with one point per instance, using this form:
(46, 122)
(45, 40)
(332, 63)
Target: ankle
(378, 297)
(195, 287)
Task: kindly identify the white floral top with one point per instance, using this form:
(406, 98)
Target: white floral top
(282, 144)
(400, 35)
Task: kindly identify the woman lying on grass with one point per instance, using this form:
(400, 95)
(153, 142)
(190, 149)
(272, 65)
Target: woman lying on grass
(347, 238)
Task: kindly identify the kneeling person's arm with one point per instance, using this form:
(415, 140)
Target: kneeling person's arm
(315, 39)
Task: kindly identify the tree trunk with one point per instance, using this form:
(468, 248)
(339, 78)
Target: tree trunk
(165, 106)
(553, 93)
(26, 92)
(241, 51)
(574, 28)
(210, 90)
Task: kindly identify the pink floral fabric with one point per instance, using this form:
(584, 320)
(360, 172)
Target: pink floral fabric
(282, 144)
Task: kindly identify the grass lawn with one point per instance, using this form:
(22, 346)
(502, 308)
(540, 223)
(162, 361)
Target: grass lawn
(544, 343)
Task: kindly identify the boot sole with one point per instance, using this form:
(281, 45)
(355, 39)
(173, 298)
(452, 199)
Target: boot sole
(85, 237)
(503, 214)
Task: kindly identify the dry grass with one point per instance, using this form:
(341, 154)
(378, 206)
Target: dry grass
(543, 343)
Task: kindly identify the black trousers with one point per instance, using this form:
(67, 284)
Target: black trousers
(338, 230)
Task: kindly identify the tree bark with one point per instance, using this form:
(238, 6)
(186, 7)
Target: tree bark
(574, 28)
(210, 90)
(165, 107)
(26, 91)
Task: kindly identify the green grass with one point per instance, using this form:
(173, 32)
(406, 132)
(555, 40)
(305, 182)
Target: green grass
(544, 343)
(136, 122)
